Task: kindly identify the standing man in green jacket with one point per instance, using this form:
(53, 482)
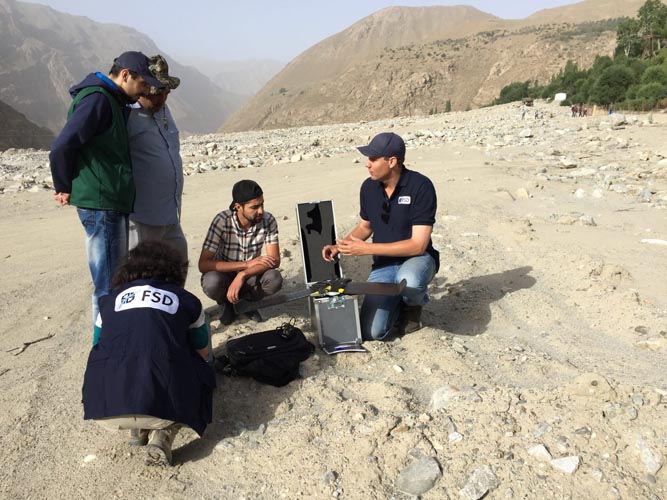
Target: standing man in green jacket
(90, 162)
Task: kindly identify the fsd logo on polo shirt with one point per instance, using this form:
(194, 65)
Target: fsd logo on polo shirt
(147, 296)
(404, 200)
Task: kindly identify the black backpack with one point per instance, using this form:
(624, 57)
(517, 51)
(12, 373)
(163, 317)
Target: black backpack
(271, 357)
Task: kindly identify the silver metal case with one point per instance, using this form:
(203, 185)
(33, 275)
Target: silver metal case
(336, 318)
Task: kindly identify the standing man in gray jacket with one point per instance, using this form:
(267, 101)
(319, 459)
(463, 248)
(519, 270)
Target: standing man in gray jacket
(156, 165)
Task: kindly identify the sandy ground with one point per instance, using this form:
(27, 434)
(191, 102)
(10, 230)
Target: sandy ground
(539, 332)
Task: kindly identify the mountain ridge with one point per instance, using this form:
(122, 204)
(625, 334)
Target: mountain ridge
(455, 49)
(35, 37)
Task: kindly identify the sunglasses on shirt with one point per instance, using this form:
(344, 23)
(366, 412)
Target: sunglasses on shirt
(386, 209)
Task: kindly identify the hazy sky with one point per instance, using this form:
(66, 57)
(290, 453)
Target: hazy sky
(256, 29)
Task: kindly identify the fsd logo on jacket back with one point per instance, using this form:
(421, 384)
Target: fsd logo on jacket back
(147, 296)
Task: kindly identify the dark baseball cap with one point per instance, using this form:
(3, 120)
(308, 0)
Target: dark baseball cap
(244, 191)
(138, 63)
(386, 144)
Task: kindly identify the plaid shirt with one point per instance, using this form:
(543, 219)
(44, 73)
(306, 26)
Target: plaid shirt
(231, 243)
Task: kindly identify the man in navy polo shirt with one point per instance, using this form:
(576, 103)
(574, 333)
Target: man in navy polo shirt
(398, 209)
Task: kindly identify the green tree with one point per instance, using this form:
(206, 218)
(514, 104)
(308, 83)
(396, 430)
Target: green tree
(654, 74)
(628, 40)
(652, 26)
(600, 64)
(513, 92)
(612, 85)
(448, 106)
(652, 92)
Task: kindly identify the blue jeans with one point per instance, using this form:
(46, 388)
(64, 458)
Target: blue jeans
(106, 244)
(378, 312)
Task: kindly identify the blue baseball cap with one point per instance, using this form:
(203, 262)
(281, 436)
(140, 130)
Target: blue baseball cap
(386, 144)
(138, 63)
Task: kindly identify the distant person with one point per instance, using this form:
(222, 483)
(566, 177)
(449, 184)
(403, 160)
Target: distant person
(157, 166)
(524, 110)
(398, 209)
(90, 162)
(146, 371)
(231, 260)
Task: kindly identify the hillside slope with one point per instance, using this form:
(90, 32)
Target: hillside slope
(403, 61)
(44, 52)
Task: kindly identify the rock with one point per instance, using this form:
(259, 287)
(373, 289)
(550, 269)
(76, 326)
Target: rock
(329, 477)
(455, 437)
(443, 396)
(540, 452)
(645, 196)
(419, 477)
(480, 482)
(654, 344)
(526, 133)
(590, 385)
(587, 220)
(616, 410)
(566, 464)
(522, 193)
(651, 459)
(568, 162)
(618, 119)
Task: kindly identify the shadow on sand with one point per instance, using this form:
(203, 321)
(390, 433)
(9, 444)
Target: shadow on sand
(466, 309)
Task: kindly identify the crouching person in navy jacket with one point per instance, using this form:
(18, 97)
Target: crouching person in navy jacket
(147, 371)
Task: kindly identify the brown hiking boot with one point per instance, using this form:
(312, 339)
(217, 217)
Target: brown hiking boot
(138, 437)
(409, 319)
(158, 450)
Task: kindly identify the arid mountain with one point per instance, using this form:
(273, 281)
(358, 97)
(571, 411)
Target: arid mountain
(244, 78)
(403, 61)
(43, 52)
(16, 131)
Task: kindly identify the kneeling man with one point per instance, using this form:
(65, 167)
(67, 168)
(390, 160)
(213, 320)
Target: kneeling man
(398, 209)
(231, 260)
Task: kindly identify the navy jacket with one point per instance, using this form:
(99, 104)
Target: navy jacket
(143, 363)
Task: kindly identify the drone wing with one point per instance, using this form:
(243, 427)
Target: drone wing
(323, 289)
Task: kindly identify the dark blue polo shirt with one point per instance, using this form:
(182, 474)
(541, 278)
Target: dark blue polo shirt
(413, 203)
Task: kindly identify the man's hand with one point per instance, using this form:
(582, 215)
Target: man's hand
(62, 198)
(353, 246)
(235, 288)
(329, 252)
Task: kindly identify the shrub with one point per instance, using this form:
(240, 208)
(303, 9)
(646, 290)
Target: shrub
(611, 85)
(654, 74)
(653, 91)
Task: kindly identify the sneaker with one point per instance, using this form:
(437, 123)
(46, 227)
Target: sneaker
(158, 449)
(227, 314)
(410, 319)
(138, 437)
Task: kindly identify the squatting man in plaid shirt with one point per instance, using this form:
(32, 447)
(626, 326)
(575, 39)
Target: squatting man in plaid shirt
(231, 260)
